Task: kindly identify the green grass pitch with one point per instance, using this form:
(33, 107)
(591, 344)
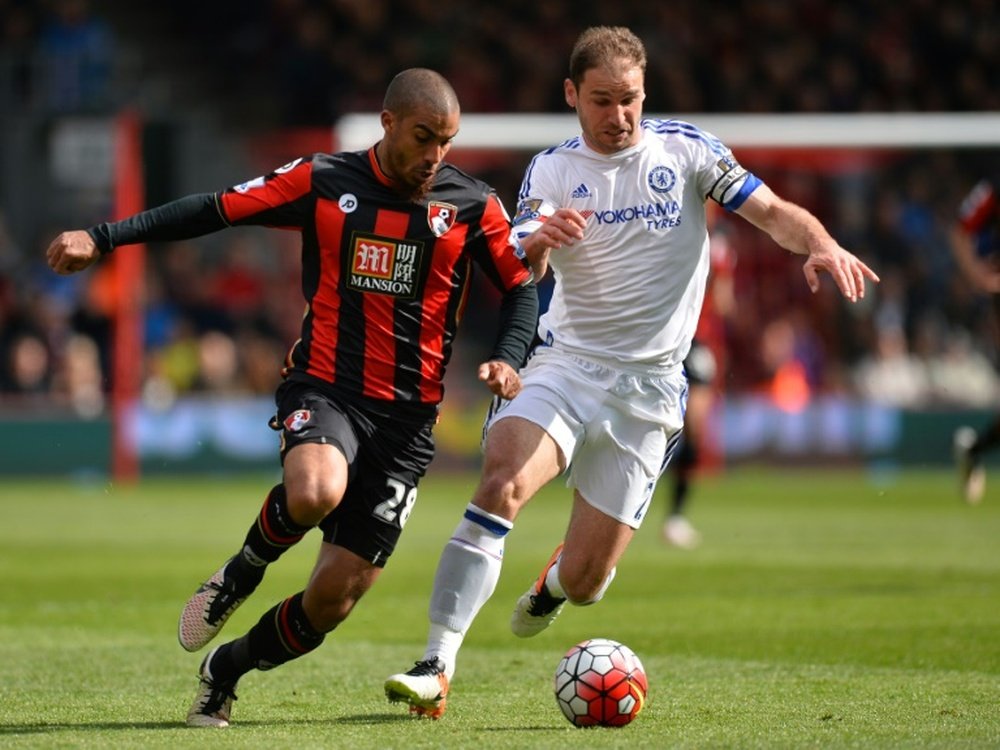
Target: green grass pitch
(826, 609)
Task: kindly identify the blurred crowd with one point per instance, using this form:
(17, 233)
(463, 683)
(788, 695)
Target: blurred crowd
(217, 325)
(921, 337)
(58, 56)
(310, 61)
(219, 316)
(329, 57)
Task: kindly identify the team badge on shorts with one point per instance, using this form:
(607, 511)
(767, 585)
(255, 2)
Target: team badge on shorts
(297, 420)
(441, 217)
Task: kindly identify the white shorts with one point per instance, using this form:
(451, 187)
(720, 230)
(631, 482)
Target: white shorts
(616, 429)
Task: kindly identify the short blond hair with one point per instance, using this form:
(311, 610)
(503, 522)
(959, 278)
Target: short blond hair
(601, 45)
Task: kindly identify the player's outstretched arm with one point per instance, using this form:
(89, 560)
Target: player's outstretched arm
(797, 230)
(71, 252)
(184, 218)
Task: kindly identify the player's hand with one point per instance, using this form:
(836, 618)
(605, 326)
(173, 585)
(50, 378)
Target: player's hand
(71, 252)
(500, 378)
(848, 272)
(564, 227)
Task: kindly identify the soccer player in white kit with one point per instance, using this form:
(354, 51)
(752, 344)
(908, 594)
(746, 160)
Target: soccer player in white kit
(619, 214)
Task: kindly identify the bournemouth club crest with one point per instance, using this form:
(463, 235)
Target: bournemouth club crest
(297, 420)
(441, 217)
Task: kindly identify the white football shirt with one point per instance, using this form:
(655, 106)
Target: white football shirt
(631, 290)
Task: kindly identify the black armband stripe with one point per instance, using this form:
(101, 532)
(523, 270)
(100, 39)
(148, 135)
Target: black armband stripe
(216, 197)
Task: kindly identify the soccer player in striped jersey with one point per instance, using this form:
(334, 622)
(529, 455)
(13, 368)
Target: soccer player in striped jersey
(975, 241)
(390, 237)
(619, 213)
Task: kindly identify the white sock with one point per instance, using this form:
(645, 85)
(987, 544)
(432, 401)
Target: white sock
(466, 577)
(443, 643)
(552, 581)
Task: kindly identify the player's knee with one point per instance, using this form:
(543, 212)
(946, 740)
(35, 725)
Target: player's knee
(311, 498)
(502, 492)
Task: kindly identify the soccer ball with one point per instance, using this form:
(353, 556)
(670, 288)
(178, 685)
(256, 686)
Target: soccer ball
(600, 682)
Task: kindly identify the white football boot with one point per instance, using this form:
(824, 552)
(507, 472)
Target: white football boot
(537, 608)
(679, 532)
(213, 704)
(971, 472)
(207, 610)
(425, 688)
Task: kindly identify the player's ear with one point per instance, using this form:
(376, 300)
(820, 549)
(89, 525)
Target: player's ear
(387, 120)
(570, 92)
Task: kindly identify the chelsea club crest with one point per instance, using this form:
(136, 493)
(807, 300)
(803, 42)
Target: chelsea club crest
(661, 179)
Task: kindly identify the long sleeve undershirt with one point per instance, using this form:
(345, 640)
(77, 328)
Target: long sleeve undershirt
(182, 219)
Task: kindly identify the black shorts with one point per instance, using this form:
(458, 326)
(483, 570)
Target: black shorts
(387, 453)
(699, 364)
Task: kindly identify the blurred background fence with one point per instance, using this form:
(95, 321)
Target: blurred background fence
(225, 91)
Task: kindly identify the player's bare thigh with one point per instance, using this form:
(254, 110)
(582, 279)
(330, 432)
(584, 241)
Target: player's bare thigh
(520, 457)
(593, 546)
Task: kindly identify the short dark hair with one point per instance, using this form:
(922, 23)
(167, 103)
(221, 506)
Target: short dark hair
(600, 45)
(419, 87)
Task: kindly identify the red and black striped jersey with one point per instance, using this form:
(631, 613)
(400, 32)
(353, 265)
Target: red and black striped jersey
(980, 209)
(385, 279)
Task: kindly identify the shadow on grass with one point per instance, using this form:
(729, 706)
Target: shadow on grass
(362, 719)
(42, 727)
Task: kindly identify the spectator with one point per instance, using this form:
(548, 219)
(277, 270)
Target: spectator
(76, 51)
(27, 369)
(892, 375)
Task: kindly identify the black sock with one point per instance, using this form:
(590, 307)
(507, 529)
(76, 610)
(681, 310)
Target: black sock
(271, 534)
(282, 634)
(680, 494)
(686, 459)
(986, 438)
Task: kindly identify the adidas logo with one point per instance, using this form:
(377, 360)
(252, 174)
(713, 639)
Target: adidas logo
(581, 191)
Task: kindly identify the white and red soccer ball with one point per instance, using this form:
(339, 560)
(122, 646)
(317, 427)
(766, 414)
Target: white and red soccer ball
(600, 682)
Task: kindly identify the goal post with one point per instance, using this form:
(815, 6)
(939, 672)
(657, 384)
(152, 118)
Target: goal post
(888, 130)
(128, 273)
